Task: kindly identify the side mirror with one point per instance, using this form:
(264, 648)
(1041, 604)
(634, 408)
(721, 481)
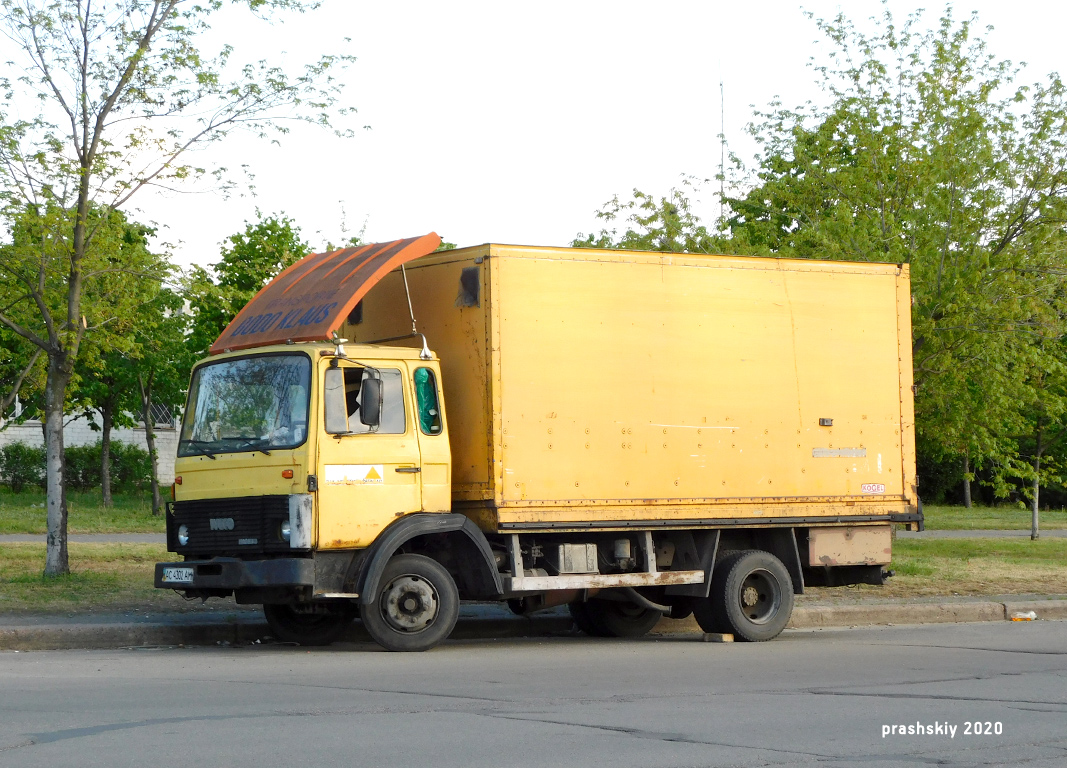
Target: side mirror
(370, 399)
(334, 395)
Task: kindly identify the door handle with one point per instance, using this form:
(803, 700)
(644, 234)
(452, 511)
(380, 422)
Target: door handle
(409, 470)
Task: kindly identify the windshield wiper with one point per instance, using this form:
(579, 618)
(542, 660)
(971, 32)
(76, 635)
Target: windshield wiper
(250, 442)
(203, 452)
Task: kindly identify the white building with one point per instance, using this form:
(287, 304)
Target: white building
(78, 432)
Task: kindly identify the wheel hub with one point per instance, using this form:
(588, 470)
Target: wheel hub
(750, 596)
(760, 596)
(409, 603)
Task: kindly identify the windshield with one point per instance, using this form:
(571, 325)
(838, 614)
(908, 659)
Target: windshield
(249, 404)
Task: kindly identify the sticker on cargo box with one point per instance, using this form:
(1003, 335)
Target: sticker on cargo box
(872, 488)
(838, 453)
(358, 474)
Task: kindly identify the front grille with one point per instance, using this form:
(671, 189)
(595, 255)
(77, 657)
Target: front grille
(244, 525)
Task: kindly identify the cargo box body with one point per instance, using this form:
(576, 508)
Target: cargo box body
(616, 389)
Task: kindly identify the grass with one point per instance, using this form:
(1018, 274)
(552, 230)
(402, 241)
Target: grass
(132, 512)
(113, 576)
(990, 518)
(970, 567)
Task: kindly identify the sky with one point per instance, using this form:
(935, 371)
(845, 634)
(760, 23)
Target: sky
(515, 122)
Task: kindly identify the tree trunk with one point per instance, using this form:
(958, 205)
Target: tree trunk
(1034, 533)
(150, 438)
(56, 562)
(967, 481)
(107, 417)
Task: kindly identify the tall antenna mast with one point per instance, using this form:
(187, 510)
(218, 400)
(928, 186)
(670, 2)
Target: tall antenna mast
(722, 148)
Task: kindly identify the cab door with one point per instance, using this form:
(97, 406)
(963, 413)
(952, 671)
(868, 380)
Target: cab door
(367, 479)
(433, 438)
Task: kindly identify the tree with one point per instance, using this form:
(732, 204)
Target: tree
(160, 367)
(666, 224)
(928, 153)
(106, 389)
(19, 366)
(104, 380)
(124, 93)
(250, 259)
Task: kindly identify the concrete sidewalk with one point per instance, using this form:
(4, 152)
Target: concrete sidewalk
(226, 624)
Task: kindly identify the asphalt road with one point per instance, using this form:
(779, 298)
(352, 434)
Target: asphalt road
(825, 698)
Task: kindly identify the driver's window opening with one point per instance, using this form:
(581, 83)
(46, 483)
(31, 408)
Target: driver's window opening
(428, 406)
(393, 416)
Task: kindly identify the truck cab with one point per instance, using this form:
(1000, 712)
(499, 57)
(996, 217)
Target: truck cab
(293, 452)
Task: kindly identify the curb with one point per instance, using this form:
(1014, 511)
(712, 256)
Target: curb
(815, 617)
(63, 637)
(230, 631)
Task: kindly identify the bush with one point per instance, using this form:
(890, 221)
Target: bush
(130, 467)
(22, 465)
(83, 466)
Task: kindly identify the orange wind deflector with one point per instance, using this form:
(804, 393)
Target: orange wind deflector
(309, 300)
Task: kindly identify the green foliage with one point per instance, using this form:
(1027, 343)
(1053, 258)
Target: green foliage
(250, 259)
(21, 465)
(665, 224)
(130, 466)
(123, 93)
(928, 154)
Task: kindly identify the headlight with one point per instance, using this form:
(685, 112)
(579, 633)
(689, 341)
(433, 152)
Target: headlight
(183, 535)
(286, 530)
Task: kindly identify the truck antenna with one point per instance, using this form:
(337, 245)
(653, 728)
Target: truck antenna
(407, 290)
(425, 354)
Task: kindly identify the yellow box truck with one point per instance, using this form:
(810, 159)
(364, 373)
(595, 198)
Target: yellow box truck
(388, 430)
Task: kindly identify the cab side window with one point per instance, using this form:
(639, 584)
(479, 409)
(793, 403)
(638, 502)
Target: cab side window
(428, 405)
(394, 419)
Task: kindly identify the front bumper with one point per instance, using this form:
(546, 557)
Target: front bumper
(228, 573)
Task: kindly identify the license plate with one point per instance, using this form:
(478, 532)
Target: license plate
(178, 575)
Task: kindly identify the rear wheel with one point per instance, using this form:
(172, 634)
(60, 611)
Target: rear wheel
(585, 621)
(309, 623)
(619, 619)
(416, 606)
(751, 597)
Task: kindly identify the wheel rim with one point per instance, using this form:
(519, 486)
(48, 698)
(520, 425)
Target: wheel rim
(760, 596)
(409, 603)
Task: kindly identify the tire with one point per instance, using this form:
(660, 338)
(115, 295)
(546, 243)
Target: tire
(704, 611)
(416, 606)
(586, 621)
(617, 619)
(309, 623)
(681, 606)
(751, 597)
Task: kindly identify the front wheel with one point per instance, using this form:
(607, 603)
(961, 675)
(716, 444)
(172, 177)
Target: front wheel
(309, 623)
(751, 596)
(416, 606)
